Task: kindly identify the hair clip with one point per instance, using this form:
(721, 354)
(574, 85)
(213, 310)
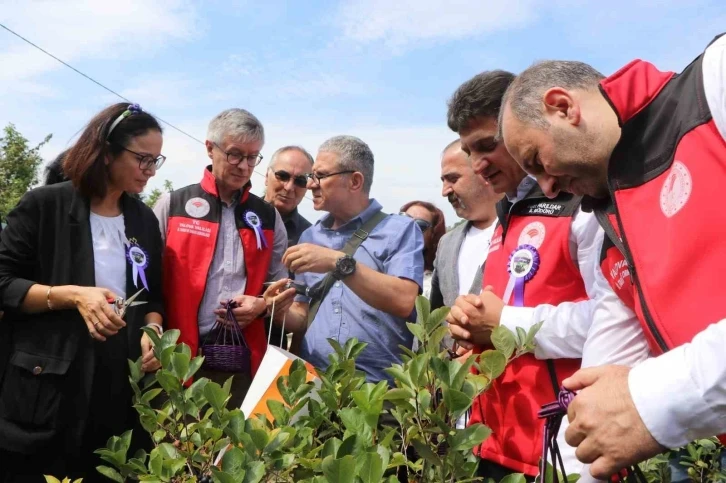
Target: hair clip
(132, 109)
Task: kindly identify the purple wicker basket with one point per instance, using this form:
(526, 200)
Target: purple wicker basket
(228, 351)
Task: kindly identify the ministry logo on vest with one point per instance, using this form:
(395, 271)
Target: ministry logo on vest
(533, 234)
(197, 207)
(676, 189)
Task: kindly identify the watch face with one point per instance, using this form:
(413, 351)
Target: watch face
(346, 265)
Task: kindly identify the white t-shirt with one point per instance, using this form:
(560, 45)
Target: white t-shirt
(472, 254)
(109, 252)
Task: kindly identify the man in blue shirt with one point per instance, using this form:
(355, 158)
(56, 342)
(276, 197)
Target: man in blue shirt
(375, 291)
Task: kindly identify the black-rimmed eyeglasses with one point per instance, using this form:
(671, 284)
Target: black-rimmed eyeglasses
(234, 158)
(317, 177)
(301, 181)
(423, 224)
(147, 160)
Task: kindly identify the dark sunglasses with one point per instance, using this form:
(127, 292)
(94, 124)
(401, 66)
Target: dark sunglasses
(300, 181)
(423, 224)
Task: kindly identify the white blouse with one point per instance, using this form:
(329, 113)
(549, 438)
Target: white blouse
(109, 252)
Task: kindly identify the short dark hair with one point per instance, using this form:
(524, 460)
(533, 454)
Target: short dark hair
(84, 164)
(54, 170)
(480, 96)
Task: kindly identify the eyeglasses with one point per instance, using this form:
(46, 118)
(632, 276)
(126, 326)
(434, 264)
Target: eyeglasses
(147, 160)
(301, 181)
(422, 224)
(235, 158)
(317, 177)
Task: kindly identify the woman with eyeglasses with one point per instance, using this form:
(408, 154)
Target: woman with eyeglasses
(70, 256)
(433, 225)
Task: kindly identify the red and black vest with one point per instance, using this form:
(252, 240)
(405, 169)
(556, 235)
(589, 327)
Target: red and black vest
(510, 406)
(665, 177)
(191, 237)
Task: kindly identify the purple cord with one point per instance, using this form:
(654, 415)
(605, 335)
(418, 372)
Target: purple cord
(553, 413)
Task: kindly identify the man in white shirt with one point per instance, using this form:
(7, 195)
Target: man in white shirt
(649, 147)
(462, 251)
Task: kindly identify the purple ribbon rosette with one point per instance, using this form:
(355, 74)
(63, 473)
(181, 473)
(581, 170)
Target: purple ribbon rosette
(139, 260)
(522, 266)
(253, 221)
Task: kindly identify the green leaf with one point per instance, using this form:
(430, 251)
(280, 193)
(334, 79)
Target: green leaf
(260, 438)
(503, 341)
(423, 310)
(425, 452)
(168, 381)
(417, 330)
(223, 476)
(521, 337)
(215, 395)
(233, 462)
(254, 472)
(532, 332)
(456, 401)
(180, 365)
(51, 479)
(514, 478)
(436, 318)
(372, 469)
(168, 451)
(194, 366)
(492, 364)
(168, 339)
(152, 334)
(155, 463)
(398, 394)
(341, 470)
(279, 412)
(469, 437)
(150, 395)
(110, 473)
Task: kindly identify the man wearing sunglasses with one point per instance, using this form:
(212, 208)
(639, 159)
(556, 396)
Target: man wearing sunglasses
(374, 290)
(285, 187)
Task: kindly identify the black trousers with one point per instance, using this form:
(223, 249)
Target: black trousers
(490, 469)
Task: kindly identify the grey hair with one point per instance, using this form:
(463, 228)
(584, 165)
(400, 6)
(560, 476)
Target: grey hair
(353, 154)
(524, 95)
(285, 149)
(237, 124)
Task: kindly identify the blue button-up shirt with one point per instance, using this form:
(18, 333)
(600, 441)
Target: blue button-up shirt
(394, 247)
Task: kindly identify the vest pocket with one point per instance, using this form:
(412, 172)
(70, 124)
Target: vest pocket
(31, 389)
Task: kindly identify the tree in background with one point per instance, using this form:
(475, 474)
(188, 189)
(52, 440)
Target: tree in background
(156, 193)
(19, 165)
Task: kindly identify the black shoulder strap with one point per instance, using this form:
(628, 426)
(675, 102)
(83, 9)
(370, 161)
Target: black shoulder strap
(321, 289)
(553, 377)
(604, 221)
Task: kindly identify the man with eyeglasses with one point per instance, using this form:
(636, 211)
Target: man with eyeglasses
(375, 289)
(285, 186)
(222, 244)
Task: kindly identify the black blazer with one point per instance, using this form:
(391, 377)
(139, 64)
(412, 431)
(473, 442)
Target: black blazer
(47, 359)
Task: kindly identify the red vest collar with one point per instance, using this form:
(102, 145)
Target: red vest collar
(633, 87)
(209, 184)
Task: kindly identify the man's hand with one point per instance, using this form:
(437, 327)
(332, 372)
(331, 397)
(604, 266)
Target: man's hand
(604, 424)
(473, 317)
(283, 300)
(307, 257)
(248, 309)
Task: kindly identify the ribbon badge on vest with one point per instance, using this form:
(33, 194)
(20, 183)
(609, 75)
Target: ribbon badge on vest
(522, 266)
(253, 221)
(139, 260)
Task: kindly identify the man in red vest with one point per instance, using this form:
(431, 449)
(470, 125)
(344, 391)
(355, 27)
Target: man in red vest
(222, 243)
(542, 265)
(649, 147)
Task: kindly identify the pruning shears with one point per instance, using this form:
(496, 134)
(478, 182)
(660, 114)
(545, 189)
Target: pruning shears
(120, 305)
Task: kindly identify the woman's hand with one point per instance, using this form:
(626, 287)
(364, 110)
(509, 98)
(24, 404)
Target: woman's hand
(149, 362)
(97, 312)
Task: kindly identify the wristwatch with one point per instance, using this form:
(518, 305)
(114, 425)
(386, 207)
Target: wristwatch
(344, 267)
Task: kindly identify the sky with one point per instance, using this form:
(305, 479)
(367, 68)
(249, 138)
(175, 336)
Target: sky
(381, 70)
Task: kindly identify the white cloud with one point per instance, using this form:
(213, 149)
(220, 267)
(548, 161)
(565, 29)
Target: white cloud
(85, 29)
(403, 23)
